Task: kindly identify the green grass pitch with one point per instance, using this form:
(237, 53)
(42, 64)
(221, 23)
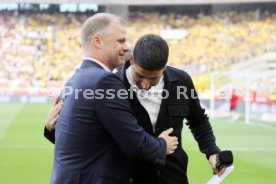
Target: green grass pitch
(26, 157)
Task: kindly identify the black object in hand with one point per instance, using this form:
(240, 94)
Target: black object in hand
(224, 159)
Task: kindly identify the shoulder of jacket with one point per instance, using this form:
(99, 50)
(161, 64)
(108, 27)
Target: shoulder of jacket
(179, 73)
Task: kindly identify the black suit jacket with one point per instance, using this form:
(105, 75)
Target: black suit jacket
(96, 138)
(172, 113)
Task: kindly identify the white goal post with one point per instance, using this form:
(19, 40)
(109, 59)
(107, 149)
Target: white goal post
(256, 89)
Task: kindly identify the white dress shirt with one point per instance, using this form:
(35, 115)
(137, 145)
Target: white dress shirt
(150, 99)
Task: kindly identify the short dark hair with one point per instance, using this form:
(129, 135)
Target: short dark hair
(151, 52)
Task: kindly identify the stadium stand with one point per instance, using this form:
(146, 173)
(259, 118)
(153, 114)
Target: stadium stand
(41, 49)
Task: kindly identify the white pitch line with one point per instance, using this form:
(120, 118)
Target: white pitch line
(254, 149)
(8, 117)
(245, 149)
(263, 125)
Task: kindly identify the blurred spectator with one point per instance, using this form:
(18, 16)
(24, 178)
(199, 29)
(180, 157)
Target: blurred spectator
(34, 46)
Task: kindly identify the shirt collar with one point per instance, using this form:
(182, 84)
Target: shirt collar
(98, 62)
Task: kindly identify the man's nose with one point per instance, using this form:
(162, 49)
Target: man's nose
(125, 48)
(145, 84)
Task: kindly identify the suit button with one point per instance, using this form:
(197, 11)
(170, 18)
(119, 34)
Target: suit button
(130, 180)
(158, 172)
(157, 160)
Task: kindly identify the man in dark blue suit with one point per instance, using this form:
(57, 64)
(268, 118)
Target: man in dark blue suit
(97, 134)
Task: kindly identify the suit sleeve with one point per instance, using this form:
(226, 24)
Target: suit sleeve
(199, 124)
(49, 135)
(118, 119)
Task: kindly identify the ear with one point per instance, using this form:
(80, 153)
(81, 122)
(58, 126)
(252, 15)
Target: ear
(131, 59)
(96, 41)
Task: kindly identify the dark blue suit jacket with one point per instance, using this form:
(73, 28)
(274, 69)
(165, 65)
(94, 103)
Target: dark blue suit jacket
(97, 138)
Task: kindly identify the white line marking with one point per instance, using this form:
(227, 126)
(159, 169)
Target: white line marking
(244, 149)
(8, 115)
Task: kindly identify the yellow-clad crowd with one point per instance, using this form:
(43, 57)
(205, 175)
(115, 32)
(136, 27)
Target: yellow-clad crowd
(39, 49)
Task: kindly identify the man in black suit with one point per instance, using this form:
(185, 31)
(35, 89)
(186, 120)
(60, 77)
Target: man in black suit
(174, 99)
(164, 96)
(97, 135)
